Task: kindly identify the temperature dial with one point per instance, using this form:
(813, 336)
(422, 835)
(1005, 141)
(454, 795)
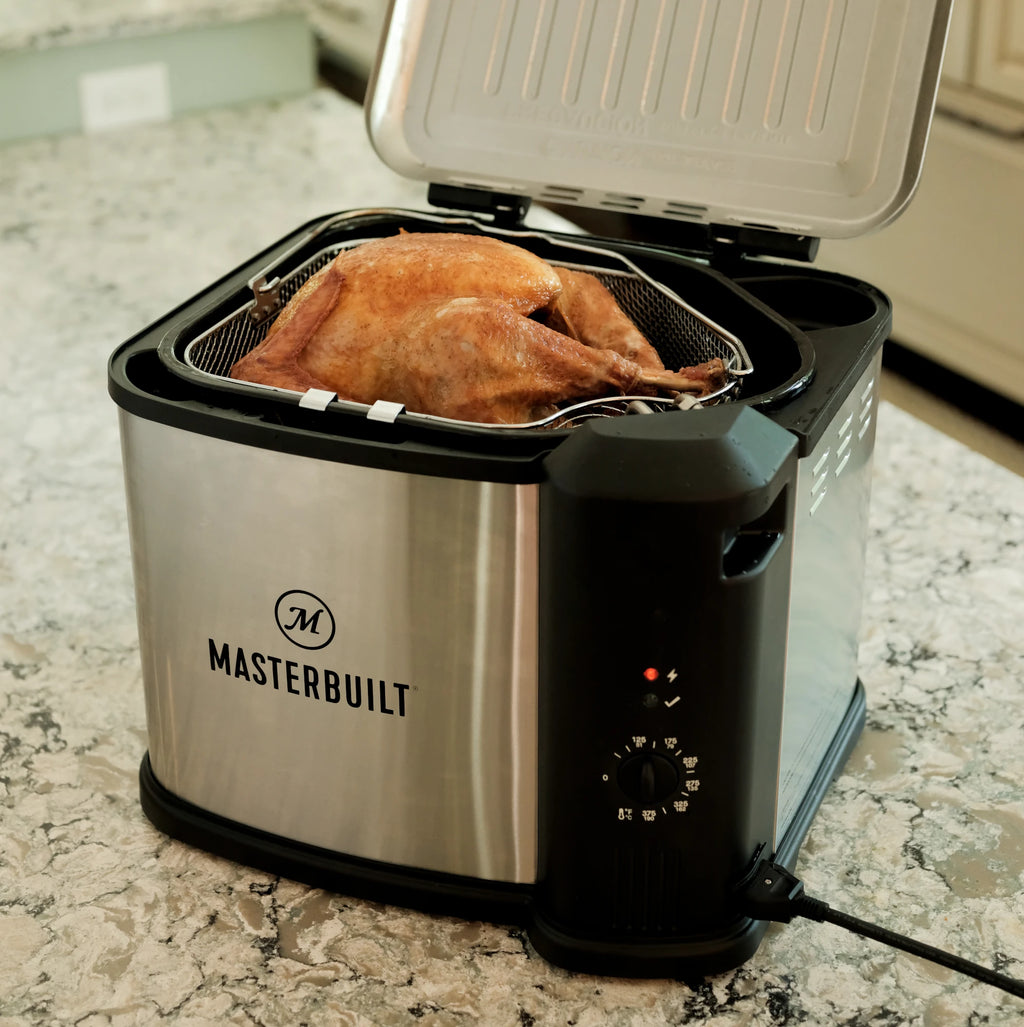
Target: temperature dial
(648, 777)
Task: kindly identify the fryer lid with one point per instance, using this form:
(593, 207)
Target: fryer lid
(808, 116)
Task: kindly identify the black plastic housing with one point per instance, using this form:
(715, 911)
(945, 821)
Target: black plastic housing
(664, 588)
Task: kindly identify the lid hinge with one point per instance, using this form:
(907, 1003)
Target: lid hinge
(734, 242)
(506, 210)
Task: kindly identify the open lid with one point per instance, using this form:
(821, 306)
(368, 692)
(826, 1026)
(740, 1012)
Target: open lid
(808, 117)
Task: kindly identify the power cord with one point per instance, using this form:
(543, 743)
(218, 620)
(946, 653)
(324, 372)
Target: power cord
(771, 892)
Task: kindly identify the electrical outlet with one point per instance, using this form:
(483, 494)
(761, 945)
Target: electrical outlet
(131, 95)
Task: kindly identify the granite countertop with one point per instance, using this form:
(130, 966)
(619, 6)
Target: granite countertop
(105, 921)
(36, 24)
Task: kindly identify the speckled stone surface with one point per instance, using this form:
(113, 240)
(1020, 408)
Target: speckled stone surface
(35, 24)
(103, 921)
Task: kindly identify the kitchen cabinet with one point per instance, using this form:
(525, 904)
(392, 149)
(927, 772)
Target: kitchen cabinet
(999, 47)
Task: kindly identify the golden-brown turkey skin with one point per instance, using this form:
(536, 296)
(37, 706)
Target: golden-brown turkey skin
(438, 323)
(520, 375)
(385, 277)
(467, 358)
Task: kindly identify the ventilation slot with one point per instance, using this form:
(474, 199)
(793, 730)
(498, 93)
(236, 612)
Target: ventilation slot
(648, 897)
(620, 202)
(561, 194)
(688, 211)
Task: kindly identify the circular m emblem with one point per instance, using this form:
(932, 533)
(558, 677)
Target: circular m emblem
(304, 619)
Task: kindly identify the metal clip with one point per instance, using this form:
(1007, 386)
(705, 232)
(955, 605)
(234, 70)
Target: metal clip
(264, 295)
(317, 399)
(383, 410)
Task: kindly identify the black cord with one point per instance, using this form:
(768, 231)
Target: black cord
(771, 892)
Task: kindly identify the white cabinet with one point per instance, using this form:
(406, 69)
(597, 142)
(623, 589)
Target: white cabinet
(983, 74)
(985, 48)
(998, 47)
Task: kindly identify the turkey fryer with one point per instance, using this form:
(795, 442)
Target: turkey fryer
(577, 679)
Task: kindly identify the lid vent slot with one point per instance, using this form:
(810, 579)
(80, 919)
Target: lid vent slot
(688, 211)
(621, 202)
(562, 194)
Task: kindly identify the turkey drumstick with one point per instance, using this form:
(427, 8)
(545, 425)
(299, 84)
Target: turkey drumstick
(587, 311)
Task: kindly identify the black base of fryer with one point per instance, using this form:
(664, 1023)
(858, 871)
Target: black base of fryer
(495, 901)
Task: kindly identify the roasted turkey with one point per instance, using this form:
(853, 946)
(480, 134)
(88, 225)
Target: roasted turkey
(461, 326)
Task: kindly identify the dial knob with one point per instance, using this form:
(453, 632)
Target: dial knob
(648, 777)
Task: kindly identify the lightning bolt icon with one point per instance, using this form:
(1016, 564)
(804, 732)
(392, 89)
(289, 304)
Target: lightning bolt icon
(672, 675)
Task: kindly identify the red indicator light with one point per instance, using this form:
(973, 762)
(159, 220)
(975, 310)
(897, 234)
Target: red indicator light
(651, 673)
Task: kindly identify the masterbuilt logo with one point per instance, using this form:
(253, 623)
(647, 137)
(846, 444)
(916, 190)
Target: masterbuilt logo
(304, 619)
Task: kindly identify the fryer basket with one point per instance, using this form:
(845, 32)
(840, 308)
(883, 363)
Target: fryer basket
(680, 333)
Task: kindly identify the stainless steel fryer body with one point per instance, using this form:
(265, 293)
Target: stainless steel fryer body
(400, 723)
(826, 596)
(409, 736)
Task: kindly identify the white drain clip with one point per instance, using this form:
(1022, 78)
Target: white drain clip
(384, 410)
(317, 399)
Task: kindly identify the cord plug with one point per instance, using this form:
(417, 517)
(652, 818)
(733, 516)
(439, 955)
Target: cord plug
(771, 892)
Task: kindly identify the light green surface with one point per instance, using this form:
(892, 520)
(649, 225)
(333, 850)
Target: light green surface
(216, 65)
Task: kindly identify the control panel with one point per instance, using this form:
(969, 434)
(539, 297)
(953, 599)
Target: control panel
(661, 671)
(653, 773)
